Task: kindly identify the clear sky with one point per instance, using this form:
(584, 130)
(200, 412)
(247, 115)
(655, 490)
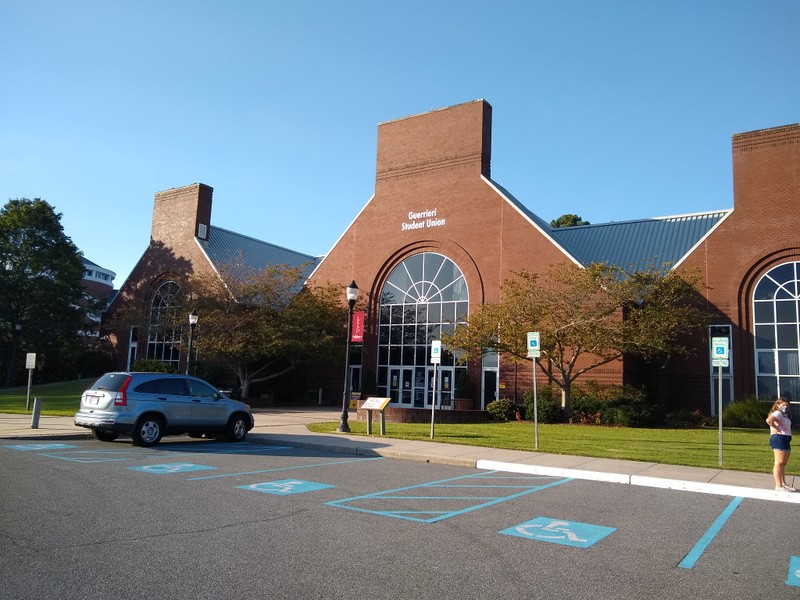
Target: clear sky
(609, 109)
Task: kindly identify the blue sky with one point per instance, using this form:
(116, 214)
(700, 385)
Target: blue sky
(609, 109)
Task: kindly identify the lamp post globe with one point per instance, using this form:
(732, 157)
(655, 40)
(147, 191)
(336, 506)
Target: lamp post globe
(352, 296)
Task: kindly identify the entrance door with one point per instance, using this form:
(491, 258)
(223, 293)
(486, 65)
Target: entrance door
(489, 390)
(444, 387)
(401, 384)
(446, 384)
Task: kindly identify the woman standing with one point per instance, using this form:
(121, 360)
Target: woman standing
(780, 428)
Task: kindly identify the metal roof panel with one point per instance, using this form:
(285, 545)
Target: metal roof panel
(658, 242)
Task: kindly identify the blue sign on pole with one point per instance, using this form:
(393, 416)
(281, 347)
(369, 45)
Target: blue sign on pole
(533, 344)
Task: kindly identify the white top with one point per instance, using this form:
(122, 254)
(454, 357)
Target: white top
(783, 422)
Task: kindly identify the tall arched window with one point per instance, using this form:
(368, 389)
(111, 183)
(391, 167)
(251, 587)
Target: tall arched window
(164, 334)
(777, 343)
(424, 296)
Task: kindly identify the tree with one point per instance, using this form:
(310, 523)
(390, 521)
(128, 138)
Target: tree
(587, 317)
(262, 324)
(568, 221)
(41, 298)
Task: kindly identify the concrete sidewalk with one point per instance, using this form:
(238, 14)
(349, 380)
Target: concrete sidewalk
(288, 427)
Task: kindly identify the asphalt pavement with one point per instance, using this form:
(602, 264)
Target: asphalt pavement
(288, 426)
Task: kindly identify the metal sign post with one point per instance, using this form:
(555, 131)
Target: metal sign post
(534, 352)
(720, 355)
(436, 359)
(30, 364)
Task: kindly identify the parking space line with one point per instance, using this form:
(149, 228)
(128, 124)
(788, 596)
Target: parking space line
(326, 464)
(694, 555)
(465, 483)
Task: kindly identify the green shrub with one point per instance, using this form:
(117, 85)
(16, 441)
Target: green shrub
(501, 410)
(681, 419)
(747, 412)
(152, 366)
(548, 404)
(626, 406)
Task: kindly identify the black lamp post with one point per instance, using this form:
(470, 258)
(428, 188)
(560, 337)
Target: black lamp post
(12, 364)
(352, 295)
(192, 323)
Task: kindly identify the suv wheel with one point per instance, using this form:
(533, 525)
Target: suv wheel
(237, 428)
(148, 431)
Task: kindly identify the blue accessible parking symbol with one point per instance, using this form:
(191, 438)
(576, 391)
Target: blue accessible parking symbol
(557, 531)
(39, 447)
(794, 572)
(169, 468)
(285, 487)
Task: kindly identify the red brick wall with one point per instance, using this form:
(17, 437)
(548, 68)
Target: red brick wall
(761, 232)
(439, 161)
(172, 253)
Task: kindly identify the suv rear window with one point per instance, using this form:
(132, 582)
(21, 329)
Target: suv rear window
(171, 386)
(111, 382)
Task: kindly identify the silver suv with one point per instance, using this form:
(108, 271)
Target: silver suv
(146, 406)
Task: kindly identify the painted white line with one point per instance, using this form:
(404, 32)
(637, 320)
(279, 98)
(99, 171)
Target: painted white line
(641, 480)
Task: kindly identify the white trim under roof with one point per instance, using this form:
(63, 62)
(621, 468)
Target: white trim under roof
(545, 233)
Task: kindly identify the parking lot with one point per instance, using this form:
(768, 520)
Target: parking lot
(202, 518)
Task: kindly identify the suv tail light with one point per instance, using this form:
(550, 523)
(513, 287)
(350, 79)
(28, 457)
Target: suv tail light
(121, 397)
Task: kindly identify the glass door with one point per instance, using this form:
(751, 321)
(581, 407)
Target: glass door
(446, 384)
(400, 385)
(444, 387)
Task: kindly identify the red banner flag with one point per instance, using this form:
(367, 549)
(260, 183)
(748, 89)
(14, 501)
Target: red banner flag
(357, 333)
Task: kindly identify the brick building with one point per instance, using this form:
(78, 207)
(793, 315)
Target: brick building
(439, 236)
(140, 321)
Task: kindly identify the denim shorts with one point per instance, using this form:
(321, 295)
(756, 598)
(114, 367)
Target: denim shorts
(780, 442)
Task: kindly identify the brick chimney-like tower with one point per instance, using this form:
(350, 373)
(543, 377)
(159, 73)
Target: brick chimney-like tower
(181, 214)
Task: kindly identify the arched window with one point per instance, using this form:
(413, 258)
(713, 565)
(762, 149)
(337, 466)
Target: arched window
(777, 344)
(424, 296)
(164, 334)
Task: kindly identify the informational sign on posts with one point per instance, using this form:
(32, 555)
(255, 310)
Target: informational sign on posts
(380, 405)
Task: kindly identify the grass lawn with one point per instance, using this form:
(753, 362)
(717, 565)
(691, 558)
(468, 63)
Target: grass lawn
(59, 399)
(743, 449)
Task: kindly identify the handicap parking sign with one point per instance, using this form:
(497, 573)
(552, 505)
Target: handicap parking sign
(285, 487)
(558, 531)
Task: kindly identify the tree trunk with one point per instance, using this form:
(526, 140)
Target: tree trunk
(566, 393)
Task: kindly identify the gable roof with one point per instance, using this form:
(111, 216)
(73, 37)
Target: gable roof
(223, 247)
(660, 242)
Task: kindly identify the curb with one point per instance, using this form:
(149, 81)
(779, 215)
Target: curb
(641, 480)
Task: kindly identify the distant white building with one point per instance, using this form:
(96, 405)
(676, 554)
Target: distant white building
(98, 284)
